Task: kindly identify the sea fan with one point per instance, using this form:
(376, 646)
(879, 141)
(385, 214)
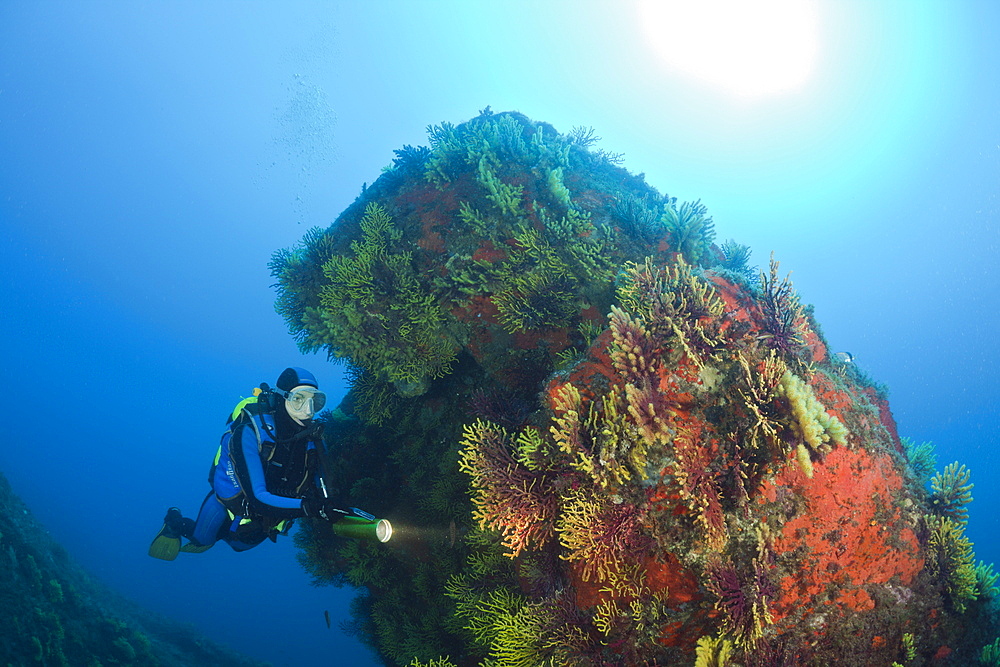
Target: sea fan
(781, 311)
(743, 600)
(500, 407)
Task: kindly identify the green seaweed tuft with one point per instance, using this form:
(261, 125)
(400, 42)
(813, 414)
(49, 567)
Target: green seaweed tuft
(951, 560)
(736, 259)
(986, 580)
(691, 230)
(951, 491)
(921, 458)
(990, 655)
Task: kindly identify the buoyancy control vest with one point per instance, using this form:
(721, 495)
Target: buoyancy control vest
(290, 465)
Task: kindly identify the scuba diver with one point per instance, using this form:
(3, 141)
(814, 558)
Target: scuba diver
(267, 472)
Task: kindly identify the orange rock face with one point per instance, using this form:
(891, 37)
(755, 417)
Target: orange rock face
(847, 536)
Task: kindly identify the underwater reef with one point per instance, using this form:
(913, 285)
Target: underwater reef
(606, 439)
(54, 613)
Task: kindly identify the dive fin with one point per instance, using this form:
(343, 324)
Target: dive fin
(190, 548)
(166, 544)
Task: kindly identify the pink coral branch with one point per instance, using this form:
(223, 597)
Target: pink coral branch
(650, 410)
(509, 498)
(633, 352)
(700, 483)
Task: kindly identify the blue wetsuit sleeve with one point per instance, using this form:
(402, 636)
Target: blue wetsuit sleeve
(262, 500)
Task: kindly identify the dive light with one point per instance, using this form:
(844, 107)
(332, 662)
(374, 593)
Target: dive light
(363, 526)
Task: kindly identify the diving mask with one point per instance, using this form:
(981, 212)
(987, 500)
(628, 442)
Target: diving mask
(304, 401)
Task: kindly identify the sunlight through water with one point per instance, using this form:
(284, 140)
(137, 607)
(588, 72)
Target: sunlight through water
(750, 50)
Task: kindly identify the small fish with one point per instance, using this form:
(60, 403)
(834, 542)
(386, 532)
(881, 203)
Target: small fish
(844, 357)
(326, 614)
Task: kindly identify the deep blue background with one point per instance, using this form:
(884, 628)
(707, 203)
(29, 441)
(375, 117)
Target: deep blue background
(154, 155)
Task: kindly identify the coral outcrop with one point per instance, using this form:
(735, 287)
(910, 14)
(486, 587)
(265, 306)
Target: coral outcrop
(604, 439)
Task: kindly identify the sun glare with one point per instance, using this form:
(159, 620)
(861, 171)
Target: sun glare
(749, 49)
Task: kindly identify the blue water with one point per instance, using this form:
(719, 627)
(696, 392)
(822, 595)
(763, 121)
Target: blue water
(153, 155)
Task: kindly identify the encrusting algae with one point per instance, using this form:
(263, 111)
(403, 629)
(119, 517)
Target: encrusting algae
(606, 441)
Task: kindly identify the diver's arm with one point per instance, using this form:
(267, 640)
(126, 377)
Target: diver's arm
(261, 500)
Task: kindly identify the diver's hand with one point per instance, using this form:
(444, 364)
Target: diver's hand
(321, 508)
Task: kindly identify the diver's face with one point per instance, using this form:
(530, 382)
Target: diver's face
(303, 402)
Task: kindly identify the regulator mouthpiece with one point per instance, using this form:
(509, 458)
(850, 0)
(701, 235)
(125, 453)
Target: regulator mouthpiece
(360, 528)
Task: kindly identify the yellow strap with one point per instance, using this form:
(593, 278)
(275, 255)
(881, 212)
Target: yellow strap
(243, 520)
(242, 404)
